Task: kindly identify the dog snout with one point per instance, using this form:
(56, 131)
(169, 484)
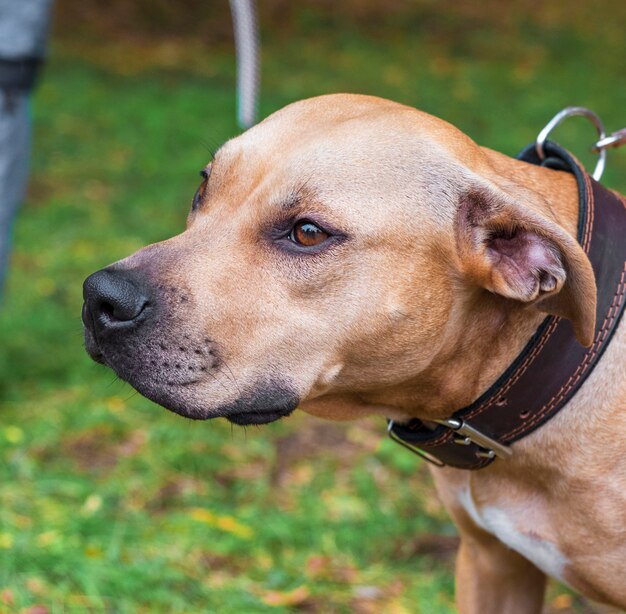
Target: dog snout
(114, 300)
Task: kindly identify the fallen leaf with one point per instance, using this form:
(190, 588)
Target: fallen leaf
(6, 596)
(94, 552)
(47, 538)
(13, 434)
(92, 504)
(562, 602)
(225, 523)
(279, 598)
(6, 540)
(35, 586)
(318, 566)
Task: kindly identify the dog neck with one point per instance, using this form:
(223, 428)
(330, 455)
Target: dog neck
(481, 340)
(552, 366)
(485, 332)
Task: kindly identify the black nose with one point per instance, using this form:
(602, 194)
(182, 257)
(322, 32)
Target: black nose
(114, 299)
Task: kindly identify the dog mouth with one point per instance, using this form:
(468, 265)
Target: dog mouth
(182, 387)
(92, 347)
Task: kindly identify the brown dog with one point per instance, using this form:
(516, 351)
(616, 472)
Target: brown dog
(335, 261)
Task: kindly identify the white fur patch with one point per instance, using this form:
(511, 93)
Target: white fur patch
(542, 553)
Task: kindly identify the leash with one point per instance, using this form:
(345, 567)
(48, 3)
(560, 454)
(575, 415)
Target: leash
(553, 365)
(246, 28)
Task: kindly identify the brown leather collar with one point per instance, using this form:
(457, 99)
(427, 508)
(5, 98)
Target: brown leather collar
(553, 365)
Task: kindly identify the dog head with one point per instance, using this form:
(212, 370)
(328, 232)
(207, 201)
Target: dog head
(326, 254)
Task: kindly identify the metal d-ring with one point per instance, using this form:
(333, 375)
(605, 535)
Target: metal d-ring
(617, 139)
(570, 112)
(433, 460)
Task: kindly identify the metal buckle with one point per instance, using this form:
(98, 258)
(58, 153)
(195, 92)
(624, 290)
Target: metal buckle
(490, 447)
(433, 460)
(570, 112)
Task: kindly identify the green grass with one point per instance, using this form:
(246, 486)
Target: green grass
(110, 504)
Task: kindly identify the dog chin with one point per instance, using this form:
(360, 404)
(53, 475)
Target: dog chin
(265, 402)
(260, 404)
(248, 418)
(251, 409)
(260, 407)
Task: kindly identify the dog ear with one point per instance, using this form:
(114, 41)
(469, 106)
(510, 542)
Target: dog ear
(512, 250)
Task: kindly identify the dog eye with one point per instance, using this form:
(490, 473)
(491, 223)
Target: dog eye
(307, 234)
(205, 173)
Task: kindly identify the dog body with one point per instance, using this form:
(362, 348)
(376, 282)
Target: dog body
(352, 256)
(557, 507)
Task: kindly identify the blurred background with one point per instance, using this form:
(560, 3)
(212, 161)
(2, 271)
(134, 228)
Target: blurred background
(109, 503)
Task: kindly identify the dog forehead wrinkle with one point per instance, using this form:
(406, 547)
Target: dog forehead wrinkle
(291, 198)
(291, 201)
(397, 183)
(365, 154)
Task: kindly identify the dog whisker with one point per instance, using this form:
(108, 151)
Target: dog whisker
(130, 396)
(217, 379)
(232, 375)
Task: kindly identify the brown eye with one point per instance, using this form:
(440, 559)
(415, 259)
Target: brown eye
(307, 234)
